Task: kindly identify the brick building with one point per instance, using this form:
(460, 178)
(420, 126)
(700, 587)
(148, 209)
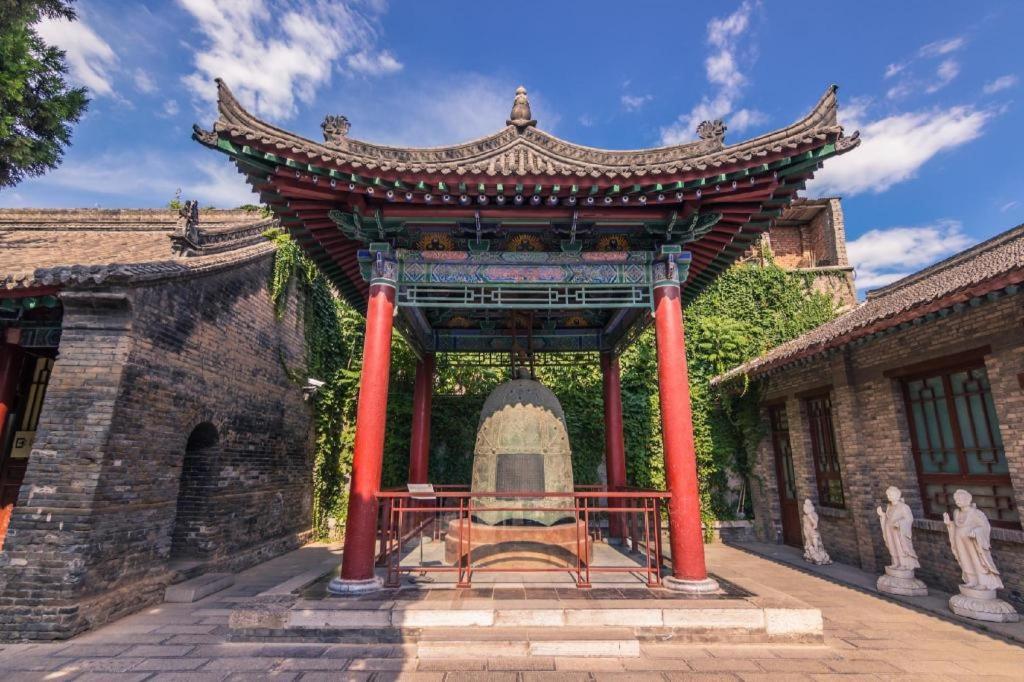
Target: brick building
(810, 237)
(921, 387)
(149, 430)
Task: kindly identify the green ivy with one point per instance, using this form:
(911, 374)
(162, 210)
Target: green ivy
(333, 333)
(749, 309)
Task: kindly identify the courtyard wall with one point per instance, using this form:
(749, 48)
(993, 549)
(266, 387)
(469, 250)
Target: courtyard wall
(139, 368)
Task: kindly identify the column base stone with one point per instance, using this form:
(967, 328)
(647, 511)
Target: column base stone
(346, 587)
(901, 581)
(982, 605)
(705, 586)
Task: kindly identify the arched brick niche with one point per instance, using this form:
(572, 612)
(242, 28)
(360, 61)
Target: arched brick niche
(198, 480)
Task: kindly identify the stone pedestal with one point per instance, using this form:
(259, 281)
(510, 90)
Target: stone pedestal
(705, 586)
(982, 605)
(345, 587)
(901, 581)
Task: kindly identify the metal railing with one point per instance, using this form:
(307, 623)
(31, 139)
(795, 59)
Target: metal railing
(633, 516)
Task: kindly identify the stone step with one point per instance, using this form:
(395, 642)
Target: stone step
(512, 642)
(196, 588)
(772, 622)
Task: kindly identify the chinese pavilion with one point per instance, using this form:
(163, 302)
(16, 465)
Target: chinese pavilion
(520, 242)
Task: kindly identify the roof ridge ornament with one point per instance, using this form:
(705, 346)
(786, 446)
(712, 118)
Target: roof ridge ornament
(186, 241)
(712, 130)
(335, 128)
(521, 117)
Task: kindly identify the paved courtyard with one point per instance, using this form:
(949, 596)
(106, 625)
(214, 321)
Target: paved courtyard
(865, 638)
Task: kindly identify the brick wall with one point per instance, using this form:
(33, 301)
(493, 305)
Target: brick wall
(787, 246)
(874, 441)
(138, 369)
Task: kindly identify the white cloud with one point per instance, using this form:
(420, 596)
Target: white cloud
(942, 47)
(723, 72)
(587, 121)
(89, 57)
(170, 109)
(895, 147)
(894, 69)
(881, 256)
(143, 81)
(221, 185)
(147, 173)
(899, 90)
(635, 102)
(463, 107)
(378, 64)
(276, 54)
(1002, 83)
(746, 118)
(1009, 206)
(947, 71)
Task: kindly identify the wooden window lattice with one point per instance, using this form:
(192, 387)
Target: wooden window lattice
(956, 442)
(823, 451)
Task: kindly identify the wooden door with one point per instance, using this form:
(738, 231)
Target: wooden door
(785, 476)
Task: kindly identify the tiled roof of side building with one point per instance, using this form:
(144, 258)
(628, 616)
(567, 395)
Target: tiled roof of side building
(83, 247)
(989, 267)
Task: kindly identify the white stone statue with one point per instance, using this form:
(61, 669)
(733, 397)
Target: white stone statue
(814, 550)
(970, 538)
(897, 521)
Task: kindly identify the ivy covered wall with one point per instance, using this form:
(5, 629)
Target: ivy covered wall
(749, 309)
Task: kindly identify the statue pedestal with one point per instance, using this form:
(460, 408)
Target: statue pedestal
(817, 558)
(982, 605)
(901, 581)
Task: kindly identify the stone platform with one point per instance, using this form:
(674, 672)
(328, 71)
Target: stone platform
(515, 614)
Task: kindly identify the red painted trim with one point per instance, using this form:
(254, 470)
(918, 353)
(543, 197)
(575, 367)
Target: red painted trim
(686, 537)
(419, 445)
(371, 415)
(29, 292)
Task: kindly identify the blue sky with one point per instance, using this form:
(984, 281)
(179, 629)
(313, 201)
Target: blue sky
(934, 88)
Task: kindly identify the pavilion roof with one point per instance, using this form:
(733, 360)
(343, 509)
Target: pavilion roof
(522, 186)
(523, 150)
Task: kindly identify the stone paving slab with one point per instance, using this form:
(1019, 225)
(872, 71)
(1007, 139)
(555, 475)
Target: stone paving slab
(866, 637)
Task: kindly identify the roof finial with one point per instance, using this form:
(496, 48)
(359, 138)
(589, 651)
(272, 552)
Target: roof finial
(521, 117)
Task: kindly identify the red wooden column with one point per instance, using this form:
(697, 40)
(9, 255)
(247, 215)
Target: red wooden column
(371, 413)
(689, 572)
(419, 445)
(614, 444)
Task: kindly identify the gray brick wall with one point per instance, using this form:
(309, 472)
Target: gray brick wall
(874, 440)
(138, 369)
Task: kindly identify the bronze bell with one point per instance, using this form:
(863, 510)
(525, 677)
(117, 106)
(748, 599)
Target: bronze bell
(522, 446)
